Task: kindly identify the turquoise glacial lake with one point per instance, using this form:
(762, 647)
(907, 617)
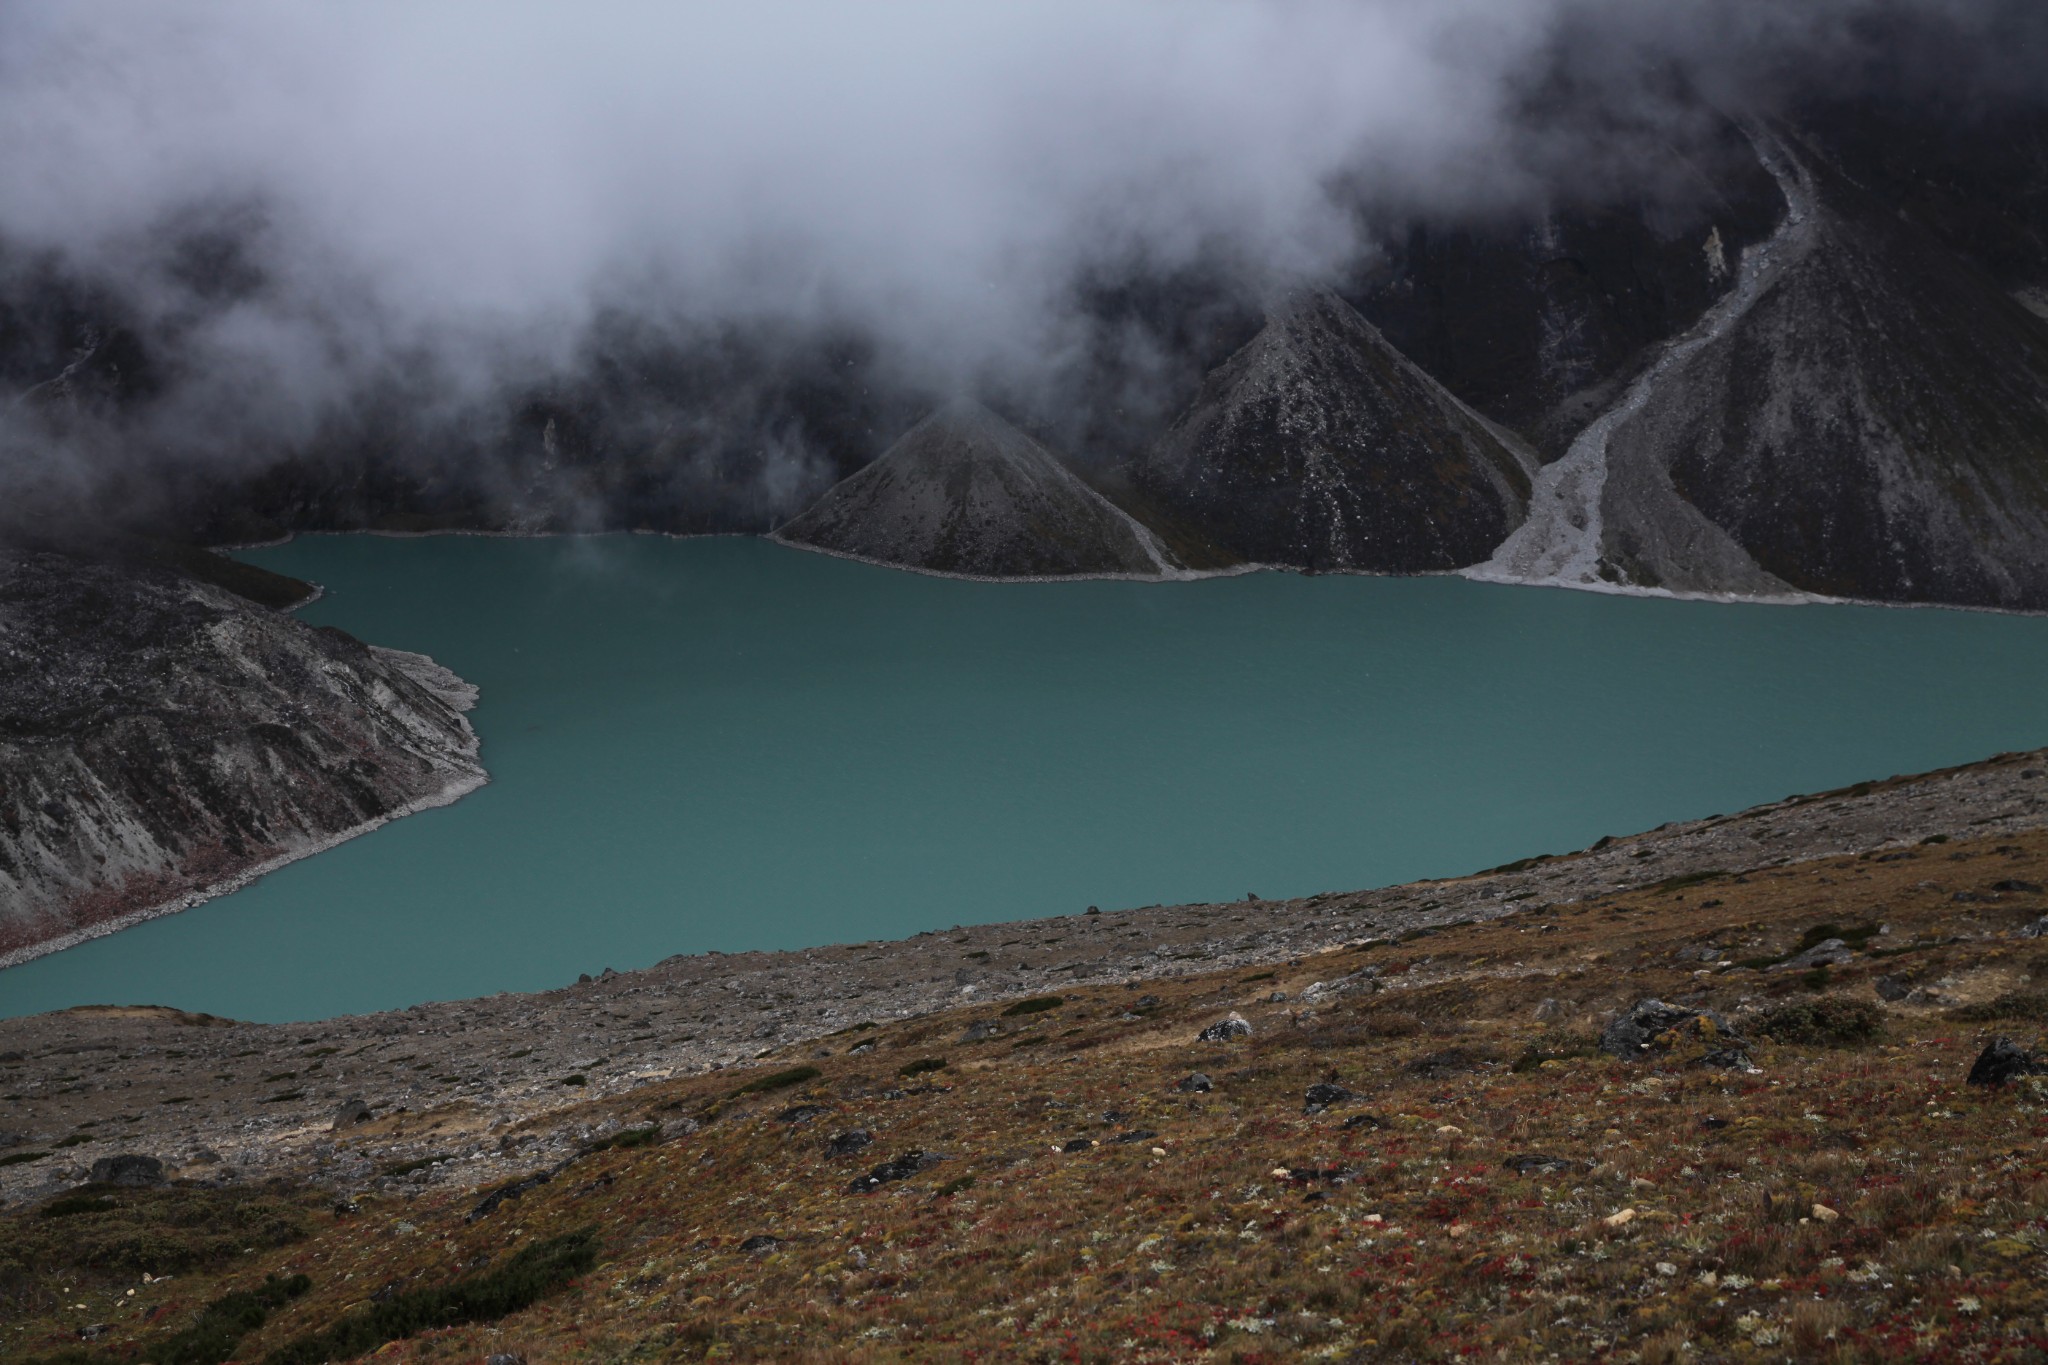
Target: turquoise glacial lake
(725, 744)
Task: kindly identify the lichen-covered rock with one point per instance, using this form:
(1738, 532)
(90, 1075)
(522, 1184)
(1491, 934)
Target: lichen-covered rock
(1226, 1030)
(1674, 1033)
(162, 740)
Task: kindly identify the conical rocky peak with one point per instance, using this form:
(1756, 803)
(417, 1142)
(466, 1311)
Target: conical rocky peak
(965, 492)
(1320, 445)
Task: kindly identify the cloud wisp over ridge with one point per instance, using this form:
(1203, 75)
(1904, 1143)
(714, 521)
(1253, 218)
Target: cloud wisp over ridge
(303, 203)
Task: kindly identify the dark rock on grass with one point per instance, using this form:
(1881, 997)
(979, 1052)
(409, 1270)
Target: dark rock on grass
(1892, 988)
(1452, 1061)
(504, 1358)
(131, 1171)
(1227, 1030)
(1536, 1163)
(350, 1113)
(1077, 1144)
(1712, 1122)
(760, 1244)
(1676, 1033)
(504, 1193)
(1322, 1095)
(896, 1168)
(2038, 929)
(1195, 1084)
(1363, 1121)
(980, 1031)
(802, 1113)
(2004, 1060)
(1829, 952)
(1135, 1135)
(2015, 884)
(848, 1142)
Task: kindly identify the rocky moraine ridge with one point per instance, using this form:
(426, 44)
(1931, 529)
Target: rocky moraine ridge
(163, 740)
(462, 1092)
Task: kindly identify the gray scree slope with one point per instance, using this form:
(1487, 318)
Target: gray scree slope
(964, 492)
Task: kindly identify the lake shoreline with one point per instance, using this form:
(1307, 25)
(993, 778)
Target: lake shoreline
(514, 1058)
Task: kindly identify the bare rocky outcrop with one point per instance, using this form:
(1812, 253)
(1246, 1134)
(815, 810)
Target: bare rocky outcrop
(163, 741)
(1320, 446)
(964, 492)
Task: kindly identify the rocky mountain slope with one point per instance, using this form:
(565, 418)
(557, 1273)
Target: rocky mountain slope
(1864, 415)
(162, 740)
(1876, 425)
(1319, 445)
(964, 492)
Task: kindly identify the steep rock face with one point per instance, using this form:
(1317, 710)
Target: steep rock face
(1875, 424)
(964, 492)
(162, 740)
(1539, 323)
(1319, 445)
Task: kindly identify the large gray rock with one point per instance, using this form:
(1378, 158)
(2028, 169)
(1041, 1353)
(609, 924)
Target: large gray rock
(134, 1171)
(1319, 445)
(964, 492)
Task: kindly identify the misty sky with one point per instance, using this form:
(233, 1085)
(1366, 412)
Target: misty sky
(473, 179)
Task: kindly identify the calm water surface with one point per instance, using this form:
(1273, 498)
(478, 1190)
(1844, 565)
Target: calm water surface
(726, 744)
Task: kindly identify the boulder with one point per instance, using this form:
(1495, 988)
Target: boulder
(2003, 1060)
(760, 1244)
(1227, 1030)
(1197, 1083)
(848, 1142)
(1322, 1095)
(1536, 1163)
(133, 1171)
(1674, 1032)
(350, 1113)
(1829, 952)
(896, 1168)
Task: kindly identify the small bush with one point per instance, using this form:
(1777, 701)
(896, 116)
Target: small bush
(778, 1080)
(1832, 1020)
(2011, 1005)
(73, 1205)
(162, 1231)
(223, 1323)
(21, 1158)
(528, 1277)
(1037, 1004)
